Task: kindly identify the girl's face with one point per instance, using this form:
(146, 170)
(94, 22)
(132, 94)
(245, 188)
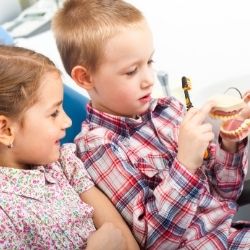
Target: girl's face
(37, 141)
(124, 80)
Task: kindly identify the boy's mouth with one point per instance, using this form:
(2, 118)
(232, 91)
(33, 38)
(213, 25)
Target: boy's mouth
(145, 98)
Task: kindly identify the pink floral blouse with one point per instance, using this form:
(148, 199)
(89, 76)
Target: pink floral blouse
(41, 208)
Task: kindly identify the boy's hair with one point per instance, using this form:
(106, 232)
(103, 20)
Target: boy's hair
(81, 28)
(21, 72)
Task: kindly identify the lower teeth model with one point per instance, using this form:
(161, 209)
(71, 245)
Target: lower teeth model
(227, 108)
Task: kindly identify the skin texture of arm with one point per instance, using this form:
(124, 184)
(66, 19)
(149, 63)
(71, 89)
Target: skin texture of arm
(105, 212)
(106, 237)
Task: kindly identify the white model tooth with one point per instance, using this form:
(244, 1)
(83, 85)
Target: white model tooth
(247, 121)
(223, 130)
(238, 131)
(244, 125)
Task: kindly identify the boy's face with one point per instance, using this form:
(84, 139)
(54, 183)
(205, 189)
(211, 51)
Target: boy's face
(124, 80)
(37, 141)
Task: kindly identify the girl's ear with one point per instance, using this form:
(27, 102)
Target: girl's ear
(6, 133)
(82, 77)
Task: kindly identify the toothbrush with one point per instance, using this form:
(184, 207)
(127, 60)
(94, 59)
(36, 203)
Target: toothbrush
(186, 86)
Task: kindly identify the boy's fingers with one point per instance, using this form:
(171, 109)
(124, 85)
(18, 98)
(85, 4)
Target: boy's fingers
(190, 113)
(203, 112)
(246, 96)
(245, 113)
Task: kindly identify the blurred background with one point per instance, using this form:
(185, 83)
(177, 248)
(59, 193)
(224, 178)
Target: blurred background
(207, 41)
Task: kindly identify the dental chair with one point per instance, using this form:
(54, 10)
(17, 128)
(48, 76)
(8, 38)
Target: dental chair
(75, 106)
(5, 37)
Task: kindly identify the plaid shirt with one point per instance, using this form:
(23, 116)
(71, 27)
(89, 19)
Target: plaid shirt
(134, 162)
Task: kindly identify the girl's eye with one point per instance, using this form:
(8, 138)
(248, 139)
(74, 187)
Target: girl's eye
(55, 114)
(130, 73)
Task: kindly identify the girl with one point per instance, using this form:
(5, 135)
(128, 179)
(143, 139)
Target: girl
(43, 187)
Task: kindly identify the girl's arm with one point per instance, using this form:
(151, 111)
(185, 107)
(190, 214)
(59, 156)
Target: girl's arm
(104, 211)
(107, 237)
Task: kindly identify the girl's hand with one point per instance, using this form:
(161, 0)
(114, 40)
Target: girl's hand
(194, 137)
(107, 237)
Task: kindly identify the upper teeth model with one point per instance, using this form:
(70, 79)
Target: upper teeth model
(227, 108)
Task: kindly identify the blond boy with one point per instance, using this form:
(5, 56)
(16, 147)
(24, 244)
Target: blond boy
(147, 154)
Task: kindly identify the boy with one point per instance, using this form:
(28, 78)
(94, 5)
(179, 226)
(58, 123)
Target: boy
(143, 153)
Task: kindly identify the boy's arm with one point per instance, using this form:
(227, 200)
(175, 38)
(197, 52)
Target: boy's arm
(226, 166)
(104, 212)
(227, 169)
(229, 146)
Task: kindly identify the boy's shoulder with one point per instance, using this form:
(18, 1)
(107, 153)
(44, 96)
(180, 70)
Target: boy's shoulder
(170, 101)
(171, 104)
(93, 135)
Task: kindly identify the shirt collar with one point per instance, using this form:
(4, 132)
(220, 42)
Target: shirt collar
(28, 183)
(120, 124)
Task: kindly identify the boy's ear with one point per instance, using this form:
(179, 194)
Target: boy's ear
(6, 133)
(82, 77)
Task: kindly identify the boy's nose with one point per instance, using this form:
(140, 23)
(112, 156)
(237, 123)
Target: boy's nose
(148, 79)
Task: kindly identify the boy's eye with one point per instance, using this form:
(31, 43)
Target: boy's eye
(150, 61)
(55, 114)
(130, 73)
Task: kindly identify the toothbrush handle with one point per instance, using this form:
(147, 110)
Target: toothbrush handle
(186, 86)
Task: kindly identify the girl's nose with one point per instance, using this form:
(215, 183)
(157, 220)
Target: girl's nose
(66, 121)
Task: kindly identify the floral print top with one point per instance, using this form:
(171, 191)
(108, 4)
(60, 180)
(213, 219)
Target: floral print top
(41, 208)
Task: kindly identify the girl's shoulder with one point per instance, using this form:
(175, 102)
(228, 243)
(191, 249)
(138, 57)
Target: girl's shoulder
(68, 155)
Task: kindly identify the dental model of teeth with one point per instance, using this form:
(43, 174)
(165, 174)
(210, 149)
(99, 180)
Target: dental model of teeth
(227, 108)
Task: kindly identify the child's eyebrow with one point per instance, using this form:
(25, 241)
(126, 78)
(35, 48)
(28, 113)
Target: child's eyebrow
(57, 104)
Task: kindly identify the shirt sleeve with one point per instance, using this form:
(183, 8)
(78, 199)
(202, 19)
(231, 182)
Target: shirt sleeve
(74, 169)
(227, 171)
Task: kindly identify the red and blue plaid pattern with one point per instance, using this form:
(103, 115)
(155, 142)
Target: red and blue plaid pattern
(134, 162)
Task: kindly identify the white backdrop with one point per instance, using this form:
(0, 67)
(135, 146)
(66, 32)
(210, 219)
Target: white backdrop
(9, 9)
(206, 40)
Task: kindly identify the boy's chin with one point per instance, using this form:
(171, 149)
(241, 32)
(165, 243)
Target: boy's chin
(143, 111)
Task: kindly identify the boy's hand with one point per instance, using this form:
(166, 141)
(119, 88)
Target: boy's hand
(194, 137)
(107, 237)
(245, 113)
